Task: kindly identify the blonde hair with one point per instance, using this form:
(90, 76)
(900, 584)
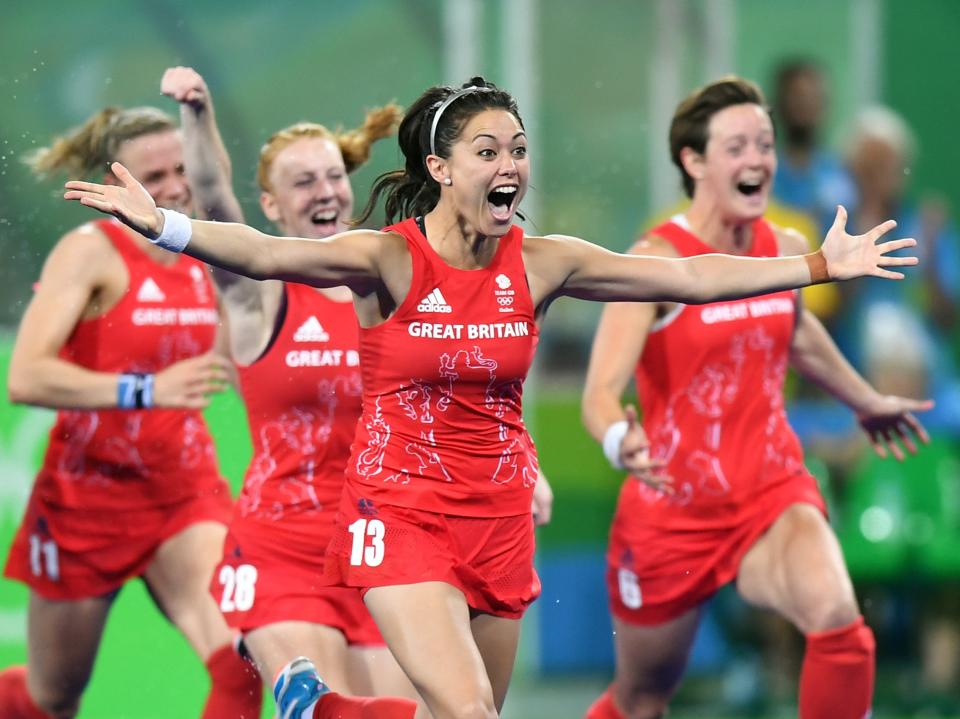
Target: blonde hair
(89, 148)
(354, 145)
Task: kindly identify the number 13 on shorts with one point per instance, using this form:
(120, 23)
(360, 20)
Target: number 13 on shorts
(361, 551)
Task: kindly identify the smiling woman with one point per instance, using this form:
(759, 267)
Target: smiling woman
(434, 524)
(296, 354)
(119, 338)
(718, 491)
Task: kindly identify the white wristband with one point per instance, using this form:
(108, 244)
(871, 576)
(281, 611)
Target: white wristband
(612, 440)
(176, 231)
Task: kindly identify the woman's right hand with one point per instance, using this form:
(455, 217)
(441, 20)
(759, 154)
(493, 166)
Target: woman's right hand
(635, 455)
(186, 86)
(190, 382)
(129, 202)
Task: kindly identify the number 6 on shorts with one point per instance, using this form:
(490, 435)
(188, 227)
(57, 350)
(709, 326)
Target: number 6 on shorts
(360, 553)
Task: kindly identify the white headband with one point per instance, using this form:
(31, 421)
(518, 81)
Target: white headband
(453, 97)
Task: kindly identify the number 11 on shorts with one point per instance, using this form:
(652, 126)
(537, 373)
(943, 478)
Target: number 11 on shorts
(360, 551)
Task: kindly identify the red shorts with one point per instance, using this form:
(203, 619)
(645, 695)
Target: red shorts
(489, 559)
(67, 554)
(656, 573)
(269, 576)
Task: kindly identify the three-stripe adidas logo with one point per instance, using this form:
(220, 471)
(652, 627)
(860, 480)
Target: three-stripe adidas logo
(434, 302)
(311, 331)
(150, 292)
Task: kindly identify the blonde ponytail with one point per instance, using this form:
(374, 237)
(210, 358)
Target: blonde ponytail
(88, 149)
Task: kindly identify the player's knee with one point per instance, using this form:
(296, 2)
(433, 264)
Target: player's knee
(830, 612)
(479, 709)
(56, 705)
(643, 703)
(461, 707)
(648, 708)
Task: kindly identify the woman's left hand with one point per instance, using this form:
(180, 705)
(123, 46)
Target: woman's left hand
(890, 418)
(850, 256)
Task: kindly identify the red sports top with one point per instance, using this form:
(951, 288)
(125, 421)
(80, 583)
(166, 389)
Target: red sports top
(303, 401)
(115, 459)
(710, 382)
(442, 426)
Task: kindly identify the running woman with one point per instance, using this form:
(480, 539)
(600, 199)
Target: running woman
(119, 337)
(718, 490)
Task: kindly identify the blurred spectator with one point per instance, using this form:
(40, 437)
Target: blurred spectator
(899, 336)
(879, 151)
(810, 180)
(809, 177)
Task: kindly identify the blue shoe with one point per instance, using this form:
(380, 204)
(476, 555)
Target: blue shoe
(298, 686)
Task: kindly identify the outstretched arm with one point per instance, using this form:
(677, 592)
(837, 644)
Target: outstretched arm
(348, 258)
(580, 269)
(885, 418)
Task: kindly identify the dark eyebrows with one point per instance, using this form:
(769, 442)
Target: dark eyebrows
(520, 133)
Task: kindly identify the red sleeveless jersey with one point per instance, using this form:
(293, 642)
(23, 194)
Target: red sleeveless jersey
(303, 401)
(133, 459)
(442, 427)
(710, 382)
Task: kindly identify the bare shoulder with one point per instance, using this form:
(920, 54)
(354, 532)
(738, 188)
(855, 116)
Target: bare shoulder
(791, 241)
(372, 242)
(556, 253)
(84, 251)
(653, 244)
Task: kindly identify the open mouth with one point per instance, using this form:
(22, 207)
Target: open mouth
(749, 188)
(323, 218)
(501, 201)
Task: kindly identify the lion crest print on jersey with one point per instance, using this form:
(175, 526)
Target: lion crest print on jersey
(710, 380)
(442, 428)
(303, 399)
(129, 459)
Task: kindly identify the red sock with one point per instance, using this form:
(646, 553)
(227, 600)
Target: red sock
(15, 701)
(836, 681)
(604, 708)
(236, 691)
(337, 706)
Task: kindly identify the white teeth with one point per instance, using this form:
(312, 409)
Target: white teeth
(506, 189)
(327, 216)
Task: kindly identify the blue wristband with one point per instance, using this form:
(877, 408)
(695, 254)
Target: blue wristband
(146, 393)
(135, 391)
(126, 391)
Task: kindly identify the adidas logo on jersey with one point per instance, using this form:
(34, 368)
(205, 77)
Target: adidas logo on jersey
(311, 331)
(150, 292)
(434, 302)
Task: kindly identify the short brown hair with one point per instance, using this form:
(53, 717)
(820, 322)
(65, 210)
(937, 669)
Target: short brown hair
(691, 121)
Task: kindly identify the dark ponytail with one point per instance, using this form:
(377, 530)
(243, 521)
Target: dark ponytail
(412, 192)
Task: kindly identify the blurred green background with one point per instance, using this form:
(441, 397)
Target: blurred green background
(597, 82)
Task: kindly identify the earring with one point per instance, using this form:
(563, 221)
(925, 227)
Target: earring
(447, 181)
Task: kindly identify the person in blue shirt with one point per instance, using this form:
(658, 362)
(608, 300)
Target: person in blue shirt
(809, 177)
